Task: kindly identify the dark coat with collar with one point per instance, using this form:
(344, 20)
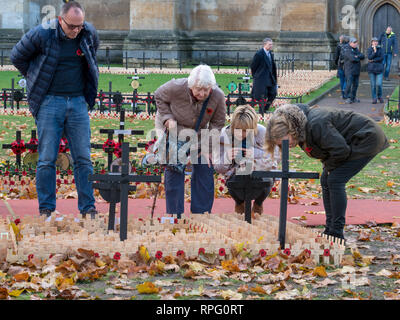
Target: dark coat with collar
(264, 73)
(335, 136)
(376, 66)
(352, 61)
(389, 43)
(36, 57)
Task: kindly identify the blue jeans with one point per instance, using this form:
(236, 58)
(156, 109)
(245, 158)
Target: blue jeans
(58, 114)
(334, 196)
(376, 85)
(387, 62)
(202, 190)
(351, 86)
(342, 78)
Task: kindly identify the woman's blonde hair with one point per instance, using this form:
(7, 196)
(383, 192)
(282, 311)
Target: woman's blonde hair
(244, 118)
(286, 120)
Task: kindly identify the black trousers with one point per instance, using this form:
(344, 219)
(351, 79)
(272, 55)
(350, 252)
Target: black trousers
(258, 195)
(334, 196)
(270, 95)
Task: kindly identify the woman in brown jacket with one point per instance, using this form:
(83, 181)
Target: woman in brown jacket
(344, 141)
(179, 104)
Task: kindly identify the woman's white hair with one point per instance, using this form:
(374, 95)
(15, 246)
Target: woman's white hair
(202, 76)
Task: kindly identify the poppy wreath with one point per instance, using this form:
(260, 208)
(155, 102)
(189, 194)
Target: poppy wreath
(109, 144)
(63, 146)
(33, 142)
(118, 150)
(18, 147)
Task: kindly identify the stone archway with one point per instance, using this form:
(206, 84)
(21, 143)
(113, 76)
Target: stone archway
(366, 10)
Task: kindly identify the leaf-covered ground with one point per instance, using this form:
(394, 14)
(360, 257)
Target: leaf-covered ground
(369, 270)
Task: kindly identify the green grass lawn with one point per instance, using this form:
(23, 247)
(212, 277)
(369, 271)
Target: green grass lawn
(393, 105)
(153, 81)
(379, 178)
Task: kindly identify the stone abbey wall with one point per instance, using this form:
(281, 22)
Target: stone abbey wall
(181, 27)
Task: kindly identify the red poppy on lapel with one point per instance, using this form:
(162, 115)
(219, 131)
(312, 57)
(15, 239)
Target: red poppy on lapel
(209, 111)
(79, 52)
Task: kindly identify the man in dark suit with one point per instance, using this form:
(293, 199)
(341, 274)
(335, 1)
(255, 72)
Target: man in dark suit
(263, 70)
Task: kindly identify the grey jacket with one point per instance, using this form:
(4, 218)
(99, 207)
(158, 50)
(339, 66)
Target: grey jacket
(262, 160)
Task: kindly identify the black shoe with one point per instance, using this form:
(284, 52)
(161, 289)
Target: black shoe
(92, 211)
(45, 212)
(381, 100)
(374, 101)
(356, 101)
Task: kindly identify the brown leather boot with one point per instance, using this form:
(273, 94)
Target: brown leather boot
(239, 208)
(256, 210)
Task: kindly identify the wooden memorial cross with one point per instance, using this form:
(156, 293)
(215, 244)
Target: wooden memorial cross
(118, 182)
(285, 175)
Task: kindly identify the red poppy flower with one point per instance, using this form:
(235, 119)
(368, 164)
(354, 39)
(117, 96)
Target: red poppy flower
(273, 189)
(222, 252)
(69, 171)
(327, 253)
(287, 251)
(109, 144)
(180, 253)
(202, 251)
(51, 256)
(117, 256)
(308, 252)
(158, 255)
(209, 111)
(308, 149)
(97, 255)
(262, 253)
(30, 257)
(221, 188)
(79, 52)
(175, 221)
(17, 221)
(24, 173)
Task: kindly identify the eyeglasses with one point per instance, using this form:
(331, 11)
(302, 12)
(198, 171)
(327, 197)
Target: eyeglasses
(72, 26)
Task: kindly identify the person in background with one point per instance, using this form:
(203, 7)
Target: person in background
(344, 141)
(352, 69)
(265, 78)
(339, 61)
(388, 42)
(243, 124)
(375, 70)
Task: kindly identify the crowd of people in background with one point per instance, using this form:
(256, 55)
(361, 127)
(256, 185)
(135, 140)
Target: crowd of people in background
(348, 59)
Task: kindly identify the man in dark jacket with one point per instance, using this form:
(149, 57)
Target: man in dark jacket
(352, 69)
(375, 70)
(339, 61)
(390, 46)
(265, 79)
(344, 141)
(59, 64)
